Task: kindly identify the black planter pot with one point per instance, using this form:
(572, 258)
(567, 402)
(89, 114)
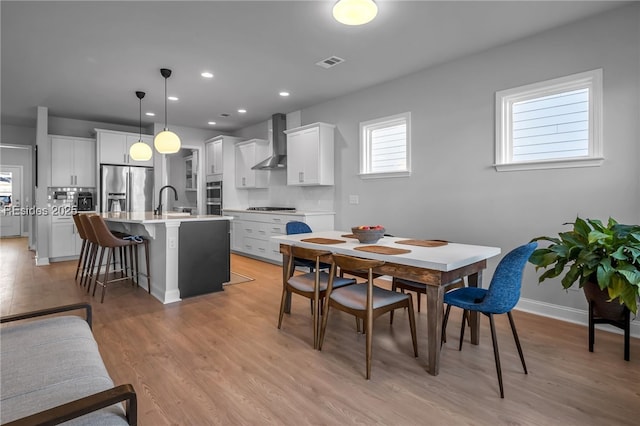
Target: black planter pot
(601, 311)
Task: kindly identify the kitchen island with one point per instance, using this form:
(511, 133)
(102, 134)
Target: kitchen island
(189, 255)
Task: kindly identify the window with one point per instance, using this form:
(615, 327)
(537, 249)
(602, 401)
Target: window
(385, 147)
(551, 124)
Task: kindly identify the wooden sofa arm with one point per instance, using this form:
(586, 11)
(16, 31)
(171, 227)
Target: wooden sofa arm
(86, 405)
(49, 311)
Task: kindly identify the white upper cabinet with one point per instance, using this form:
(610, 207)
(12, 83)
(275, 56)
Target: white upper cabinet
(73, 161)
(213, 156)
(310, 155)
(248, 154)
(113, 147)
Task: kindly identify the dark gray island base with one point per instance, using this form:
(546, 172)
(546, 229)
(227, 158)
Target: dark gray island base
(204, 260)
(189, 255)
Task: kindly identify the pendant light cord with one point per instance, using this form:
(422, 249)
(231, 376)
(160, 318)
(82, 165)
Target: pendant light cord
(140, 122)
(165, 104)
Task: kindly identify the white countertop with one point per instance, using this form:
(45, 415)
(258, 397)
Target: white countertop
(149, 217)
(284, 212)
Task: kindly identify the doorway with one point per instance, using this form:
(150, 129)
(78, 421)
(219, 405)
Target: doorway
(10, 198)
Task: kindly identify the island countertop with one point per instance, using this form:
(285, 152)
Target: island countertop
(150, 217)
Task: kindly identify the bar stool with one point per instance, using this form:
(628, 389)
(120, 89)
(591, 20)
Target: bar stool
(110, 242)
(84, 250)
(92, 250)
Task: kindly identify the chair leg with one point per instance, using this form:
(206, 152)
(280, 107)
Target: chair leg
(495, 353)
(369, 331)
(418, 297)
(282, 302)
(515, 337)
(323, 327)
(106, 274)
(96, 275)
(464, 313)
(445, 320)
(146, 256)
(90, 265)
(412, 327)
(81, 258)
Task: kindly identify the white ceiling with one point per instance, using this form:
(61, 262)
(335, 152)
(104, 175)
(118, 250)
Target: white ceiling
(85, 59)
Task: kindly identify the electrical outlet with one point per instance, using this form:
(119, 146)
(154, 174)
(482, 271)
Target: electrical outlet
(354, 199)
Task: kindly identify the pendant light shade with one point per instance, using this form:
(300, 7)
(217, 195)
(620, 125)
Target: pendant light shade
(355, 12)
(166, 142)
(140, 151)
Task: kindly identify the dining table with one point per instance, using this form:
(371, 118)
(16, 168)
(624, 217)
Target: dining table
(432, 262)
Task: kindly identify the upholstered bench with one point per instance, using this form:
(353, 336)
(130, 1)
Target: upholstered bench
(52, 372)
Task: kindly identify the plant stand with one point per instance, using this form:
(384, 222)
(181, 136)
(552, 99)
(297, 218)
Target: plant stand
(601, 311)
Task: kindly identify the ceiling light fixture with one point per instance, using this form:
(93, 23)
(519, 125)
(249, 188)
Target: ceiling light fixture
(212, 123)
(140, 151)
(355, 12)
(166, 142)
(284, 94)
(242, 111)
(207, 74)
(172, 98)
(150, 114)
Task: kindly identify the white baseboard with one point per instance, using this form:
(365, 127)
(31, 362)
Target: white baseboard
(42, 261)
(576, 316)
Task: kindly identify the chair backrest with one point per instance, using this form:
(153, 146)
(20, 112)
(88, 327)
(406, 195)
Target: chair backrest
(103, 234)
(504, 290)
(88, 229)
(79, 225)
(307, 254)
(296, 227)
(356, 264)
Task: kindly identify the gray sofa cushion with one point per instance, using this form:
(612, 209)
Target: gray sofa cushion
(48, 362)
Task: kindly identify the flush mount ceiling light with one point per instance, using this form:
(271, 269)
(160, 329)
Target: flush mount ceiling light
(166, 142)
(140, 151)
(355, 12)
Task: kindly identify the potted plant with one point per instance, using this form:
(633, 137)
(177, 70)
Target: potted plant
(600, 258)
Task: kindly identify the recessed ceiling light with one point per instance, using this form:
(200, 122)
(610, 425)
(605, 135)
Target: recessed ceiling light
(207, 74)
(225, 114)
(172, 98)
(212, 123)
(242, 111)
(284, 94)
(150, 114)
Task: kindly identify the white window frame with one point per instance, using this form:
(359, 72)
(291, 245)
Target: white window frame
(506, 98)
(366, 127)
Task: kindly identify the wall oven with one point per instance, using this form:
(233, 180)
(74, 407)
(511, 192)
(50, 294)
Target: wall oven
(214, 197)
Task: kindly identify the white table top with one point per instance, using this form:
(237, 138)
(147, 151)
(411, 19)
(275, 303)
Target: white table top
(149, 217)
(444, 258)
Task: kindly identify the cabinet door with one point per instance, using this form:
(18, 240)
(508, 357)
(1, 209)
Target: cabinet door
(303, 157)
(84, 163)
(209, 158)
(62, 162)
(63, 242)
(217, 157)
(237, 235)
(130, 140)
(245, 155)
(112, 148)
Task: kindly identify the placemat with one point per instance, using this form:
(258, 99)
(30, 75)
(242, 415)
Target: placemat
(319, 240)
(348, 236)
(423, 243)
(382, 250)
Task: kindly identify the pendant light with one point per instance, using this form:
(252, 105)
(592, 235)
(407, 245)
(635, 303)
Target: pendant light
(140, 151)
(355, 12)
(166, 142)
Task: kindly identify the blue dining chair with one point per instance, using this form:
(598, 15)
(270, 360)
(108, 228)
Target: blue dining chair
(500, 298)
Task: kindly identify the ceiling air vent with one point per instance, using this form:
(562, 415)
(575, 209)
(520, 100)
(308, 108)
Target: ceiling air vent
(331, 61)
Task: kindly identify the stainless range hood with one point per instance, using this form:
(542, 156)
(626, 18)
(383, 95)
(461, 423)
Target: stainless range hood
(278, 159)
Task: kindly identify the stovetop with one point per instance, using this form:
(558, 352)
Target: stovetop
(271, 209)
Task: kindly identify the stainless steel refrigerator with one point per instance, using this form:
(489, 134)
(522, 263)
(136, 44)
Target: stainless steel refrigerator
(126, 188)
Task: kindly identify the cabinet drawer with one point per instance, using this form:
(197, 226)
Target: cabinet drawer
(255, 246)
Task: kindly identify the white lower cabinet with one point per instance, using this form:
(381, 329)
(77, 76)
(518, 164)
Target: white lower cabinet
(64, 239)
(251, 232)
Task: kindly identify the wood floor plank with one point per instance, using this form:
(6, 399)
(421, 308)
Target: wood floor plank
(219, 359)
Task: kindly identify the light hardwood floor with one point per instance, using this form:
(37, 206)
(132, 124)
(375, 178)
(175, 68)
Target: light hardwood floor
(220, 359)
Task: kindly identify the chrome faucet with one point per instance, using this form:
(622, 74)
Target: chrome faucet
(175, 193)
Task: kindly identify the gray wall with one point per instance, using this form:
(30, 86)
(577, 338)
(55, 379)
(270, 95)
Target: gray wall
(454, 193)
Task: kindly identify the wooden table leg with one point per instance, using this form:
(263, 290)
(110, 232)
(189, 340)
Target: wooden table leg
(475, 280)
(285, 277)
(435, 296)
